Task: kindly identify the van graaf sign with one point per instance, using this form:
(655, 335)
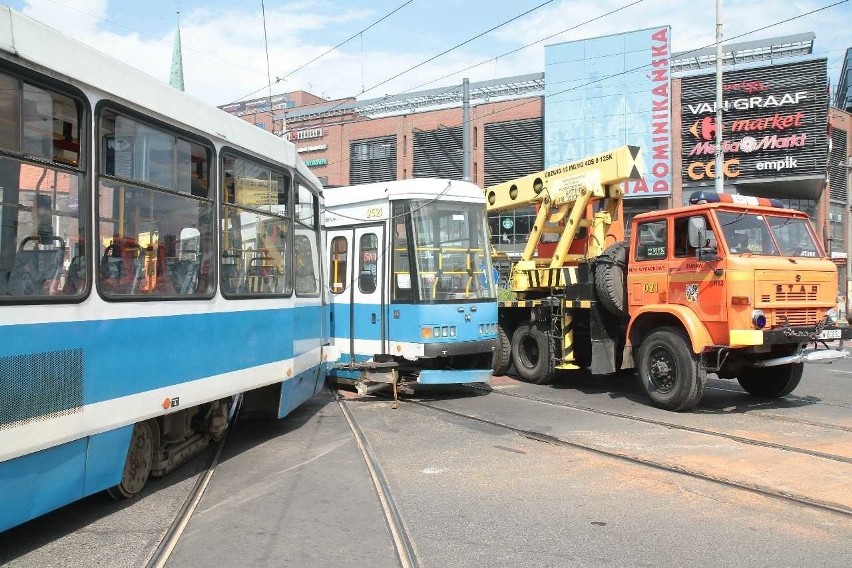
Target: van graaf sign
(774, 123)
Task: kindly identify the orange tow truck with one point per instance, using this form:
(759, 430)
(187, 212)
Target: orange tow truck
(733, 285)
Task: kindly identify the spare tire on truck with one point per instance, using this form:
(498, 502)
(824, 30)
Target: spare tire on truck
(610, 281)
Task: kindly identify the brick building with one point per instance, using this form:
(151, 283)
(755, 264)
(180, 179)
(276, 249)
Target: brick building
(419, 134)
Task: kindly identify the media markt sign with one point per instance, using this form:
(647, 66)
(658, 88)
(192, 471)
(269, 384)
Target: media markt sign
(316, 162)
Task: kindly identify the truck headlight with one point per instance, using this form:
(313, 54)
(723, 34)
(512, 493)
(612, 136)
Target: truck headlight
(758, 318)
(833, 315)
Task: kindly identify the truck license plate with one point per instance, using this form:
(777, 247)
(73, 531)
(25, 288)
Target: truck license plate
(830, 334)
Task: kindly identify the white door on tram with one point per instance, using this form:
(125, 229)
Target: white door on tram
(368, 291)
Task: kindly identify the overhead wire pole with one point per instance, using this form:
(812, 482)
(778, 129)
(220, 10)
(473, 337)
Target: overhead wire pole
(268, 72)
(720, 156)
(849, 239)
(466, 129)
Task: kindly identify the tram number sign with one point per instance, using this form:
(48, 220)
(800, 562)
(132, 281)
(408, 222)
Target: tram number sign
(171, 403)
(651, 287)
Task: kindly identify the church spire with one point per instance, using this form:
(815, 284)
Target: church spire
(176, 78)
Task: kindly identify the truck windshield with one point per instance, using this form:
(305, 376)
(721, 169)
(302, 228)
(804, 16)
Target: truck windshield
(451, 251)
(794, 236)
(751, 233)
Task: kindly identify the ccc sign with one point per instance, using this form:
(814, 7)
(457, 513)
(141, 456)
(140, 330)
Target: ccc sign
(702, 170)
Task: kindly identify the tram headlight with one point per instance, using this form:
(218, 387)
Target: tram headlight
(436, 332)
(833, 315)
(452, 331)
(758, 318)
(481, 329)
(425, 332)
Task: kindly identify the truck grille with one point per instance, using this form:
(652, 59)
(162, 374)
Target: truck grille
(800, 316)
(797, 293)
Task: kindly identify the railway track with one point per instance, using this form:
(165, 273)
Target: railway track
(681, 427)
(800, 500)
(169, 541)
(707, 409)
(402, 542)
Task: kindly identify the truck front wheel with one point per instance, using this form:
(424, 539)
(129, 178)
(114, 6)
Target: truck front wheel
(772, 382)
(532, 354)
(671, 374)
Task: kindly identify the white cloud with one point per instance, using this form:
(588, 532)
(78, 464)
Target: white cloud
(224, 55)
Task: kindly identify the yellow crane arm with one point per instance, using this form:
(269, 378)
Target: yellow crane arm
(563, 193)
(556, 183)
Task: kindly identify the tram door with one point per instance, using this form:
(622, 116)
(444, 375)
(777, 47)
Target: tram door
(357, 286)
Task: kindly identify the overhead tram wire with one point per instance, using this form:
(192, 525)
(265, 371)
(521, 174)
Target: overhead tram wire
(778, 23)
(762, 28)
(521, 48)
(434, 57)
(465, 42)
(268, 73)
(323, 54)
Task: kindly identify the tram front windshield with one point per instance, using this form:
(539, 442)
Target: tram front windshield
(451, 251)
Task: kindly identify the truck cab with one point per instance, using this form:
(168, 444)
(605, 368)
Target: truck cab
(741, 283)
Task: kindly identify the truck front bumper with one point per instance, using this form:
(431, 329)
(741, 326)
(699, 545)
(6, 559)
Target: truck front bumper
(786, 336)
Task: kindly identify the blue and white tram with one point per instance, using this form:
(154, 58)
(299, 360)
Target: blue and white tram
(411, 282)
(157, 257)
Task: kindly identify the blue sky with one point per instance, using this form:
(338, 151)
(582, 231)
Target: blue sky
(224, 56)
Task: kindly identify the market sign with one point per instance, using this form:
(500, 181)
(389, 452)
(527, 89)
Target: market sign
(317, 162)
(774, 124)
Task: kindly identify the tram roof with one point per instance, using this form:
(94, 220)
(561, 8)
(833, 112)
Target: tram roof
(23, 38)
(414, 188)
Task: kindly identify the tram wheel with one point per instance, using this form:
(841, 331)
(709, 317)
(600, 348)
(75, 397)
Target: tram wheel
(137, 465)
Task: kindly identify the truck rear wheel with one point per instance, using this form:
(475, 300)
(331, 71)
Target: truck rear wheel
(670, 372)
(532, 353)
(502, 359)
(772, 382)
(610, 285)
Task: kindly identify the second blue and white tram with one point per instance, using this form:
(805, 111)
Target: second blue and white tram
(157, 257)
(412, 287)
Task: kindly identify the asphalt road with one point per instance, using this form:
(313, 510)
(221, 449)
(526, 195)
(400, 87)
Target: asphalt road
(297, 492)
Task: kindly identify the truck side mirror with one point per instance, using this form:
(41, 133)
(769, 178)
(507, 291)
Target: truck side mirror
(697, 230)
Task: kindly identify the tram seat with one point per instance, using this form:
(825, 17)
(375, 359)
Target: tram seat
(75, 279)
(35, 270)
(121, 266)
(262, 275)
(233, 277)
(184, 275)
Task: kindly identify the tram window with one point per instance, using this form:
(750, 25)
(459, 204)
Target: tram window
(42, 212)
(306, 207)
(153, 243)
(135, 151)
(42, 233)
(337, 271)
(401, 285)
(255, 229)
(306, 259)
(368, 263)
(39, 122)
